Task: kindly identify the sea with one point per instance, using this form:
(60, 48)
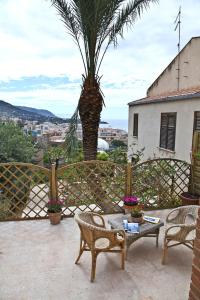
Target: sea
(116, 123)
(113, 123)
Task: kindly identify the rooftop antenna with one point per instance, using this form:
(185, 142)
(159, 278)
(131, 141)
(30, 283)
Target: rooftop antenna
(178, 25)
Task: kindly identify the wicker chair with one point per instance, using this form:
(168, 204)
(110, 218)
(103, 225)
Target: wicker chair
(95, 237)
(181, 225)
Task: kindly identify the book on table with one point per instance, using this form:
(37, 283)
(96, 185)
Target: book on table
(131, 227)
(151, 219)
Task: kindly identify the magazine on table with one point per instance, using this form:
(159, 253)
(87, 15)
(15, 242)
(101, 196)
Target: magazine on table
(151, 219)
(131, 227)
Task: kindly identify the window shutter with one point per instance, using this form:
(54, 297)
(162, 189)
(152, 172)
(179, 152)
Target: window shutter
(135, 125)
(197, 120)
(163, 131)
(171, 132)
(163, 137)
(167, 131)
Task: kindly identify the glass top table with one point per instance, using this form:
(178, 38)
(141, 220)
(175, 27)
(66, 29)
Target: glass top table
(146, 229)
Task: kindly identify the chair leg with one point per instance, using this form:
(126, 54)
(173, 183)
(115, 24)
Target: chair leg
(93, 270)
(123, 255)
(164, 252)
(82, 247)
(126, 251)
(157, 236)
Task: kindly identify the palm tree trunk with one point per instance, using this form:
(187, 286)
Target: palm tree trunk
(90, 107)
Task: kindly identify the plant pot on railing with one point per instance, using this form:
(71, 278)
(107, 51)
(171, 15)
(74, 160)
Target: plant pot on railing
(54, 217)
(189, 199)
(54, 211)
(129, 203)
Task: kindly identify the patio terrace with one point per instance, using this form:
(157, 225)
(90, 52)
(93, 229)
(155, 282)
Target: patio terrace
(37, 263)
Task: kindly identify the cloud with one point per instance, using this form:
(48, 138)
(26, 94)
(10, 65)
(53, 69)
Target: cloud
(38, 82)
(41, 66)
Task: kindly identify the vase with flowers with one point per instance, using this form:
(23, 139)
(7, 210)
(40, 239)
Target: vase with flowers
(54, 210)
(129, 202)
(137, 214)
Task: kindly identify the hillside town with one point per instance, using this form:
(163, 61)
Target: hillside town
(56, 133)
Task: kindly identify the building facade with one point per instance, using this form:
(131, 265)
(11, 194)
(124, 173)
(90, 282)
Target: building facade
(163, 123)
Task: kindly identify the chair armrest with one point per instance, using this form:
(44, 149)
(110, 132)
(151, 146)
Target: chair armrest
(121, 232)
(101, 219)
(171, 212)
(185, 227)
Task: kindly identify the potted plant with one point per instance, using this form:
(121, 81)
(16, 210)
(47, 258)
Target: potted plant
(137, 214)
(191, 197)
(129, 202)
(54, 210)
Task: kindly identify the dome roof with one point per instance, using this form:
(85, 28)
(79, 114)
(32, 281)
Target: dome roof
(102, 145)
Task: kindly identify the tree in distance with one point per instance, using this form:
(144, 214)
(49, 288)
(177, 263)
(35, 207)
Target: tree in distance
(15, 146)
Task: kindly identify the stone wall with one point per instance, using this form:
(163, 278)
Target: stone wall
(195, 279)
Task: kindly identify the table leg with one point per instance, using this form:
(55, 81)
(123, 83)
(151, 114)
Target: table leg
(128, 243)
(157, 235)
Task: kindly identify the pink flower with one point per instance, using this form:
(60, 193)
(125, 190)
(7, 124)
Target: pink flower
(130, 199)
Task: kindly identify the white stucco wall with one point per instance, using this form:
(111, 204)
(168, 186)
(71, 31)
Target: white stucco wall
(189, 71)
(149, 128)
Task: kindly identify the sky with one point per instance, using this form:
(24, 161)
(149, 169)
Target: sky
(41, 67)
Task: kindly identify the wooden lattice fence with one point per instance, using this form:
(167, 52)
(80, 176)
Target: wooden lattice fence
(24, 191)
(92, 186)
(158, 182)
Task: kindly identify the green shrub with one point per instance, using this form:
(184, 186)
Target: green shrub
(102, 156)
(14, 145)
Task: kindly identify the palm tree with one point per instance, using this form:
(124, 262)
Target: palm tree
(94, 26)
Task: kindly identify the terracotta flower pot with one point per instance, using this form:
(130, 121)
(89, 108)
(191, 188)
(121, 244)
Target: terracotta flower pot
(54, 217)
(137, 219)
(189, 199)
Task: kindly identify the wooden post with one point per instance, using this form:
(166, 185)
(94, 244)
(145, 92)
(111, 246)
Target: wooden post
(172, 186)
(53, 182)
(129, 179)
(195, 177)
(195, 145)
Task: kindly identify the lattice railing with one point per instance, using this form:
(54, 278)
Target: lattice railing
(92, 186)
(24, 190)
(158, 182)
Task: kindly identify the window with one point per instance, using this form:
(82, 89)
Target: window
(167, 131)
(197, 120)
(135, 125)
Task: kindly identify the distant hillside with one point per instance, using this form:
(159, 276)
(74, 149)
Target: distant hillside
(10, 111)
(43, 112)
(24, 113)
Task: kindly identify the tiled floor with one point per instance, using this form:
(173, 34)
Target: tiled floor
(37, 263)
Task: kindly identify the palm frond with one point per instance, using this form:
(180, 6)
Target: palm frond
(95, 24)
(71, 22)
(71, 141)
(127, 16)
(124, 16)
